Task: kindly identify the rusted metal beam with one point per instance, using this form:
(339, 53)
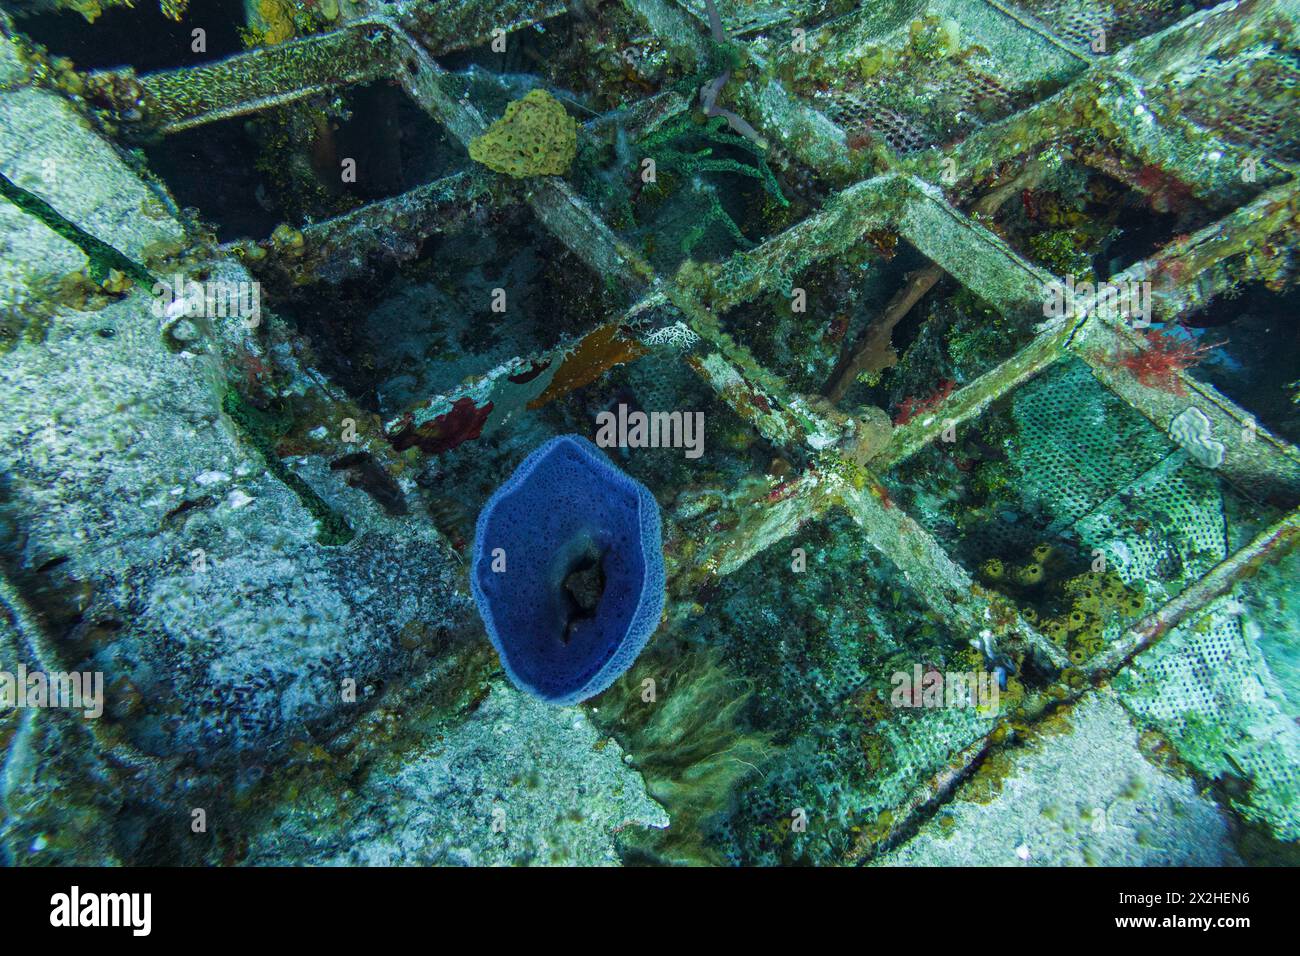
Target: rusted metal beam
(390, 229)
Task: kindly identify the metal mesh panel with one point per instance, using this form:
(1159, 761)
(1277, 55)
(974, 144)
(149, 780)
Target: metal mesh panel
(1078, 443)
(1250, 100)
(974, 99)
(1160, 520)
(1123, 21)
(858, 114)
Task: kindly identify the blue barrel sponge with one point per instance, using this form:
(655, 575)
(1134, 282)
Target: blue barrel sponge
(568, 571)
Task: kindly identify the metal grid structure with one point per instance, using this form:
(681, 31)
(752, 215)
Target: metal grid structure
(913, 198)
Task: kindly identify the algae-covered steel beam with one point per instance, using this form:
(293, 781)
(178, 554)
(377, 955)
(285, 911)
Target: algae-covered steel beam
(1195, 270)
(761, 399)
(445, 26)
(1204, 34)
(970, 253)
(1104, 102)
(1189, 272)
(800, 129)
(487, 401)
(964, 248)
(679, 31)
(361, 51)
(971, 400)
(739, 526)
(738, 17)
(639, 119)
(977, 258)
(1060, 118)
(1029, 23)
(393, 229)
(1146, 144)
(176, 100)
(834, 229)
(573, 221)
(783, 417)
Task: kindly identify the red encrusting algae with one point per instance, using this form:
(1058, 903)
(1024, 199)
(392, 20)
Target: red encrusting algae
(1167, 353)
(910, 407)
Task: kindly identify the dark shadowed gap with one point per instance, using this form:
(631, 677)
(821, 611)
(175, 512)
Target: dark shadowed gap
(139, 36)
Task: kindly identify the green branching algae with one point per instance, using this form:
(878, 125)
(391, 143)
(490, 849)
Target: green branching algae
(103, 257)
(670, 147)
(685, 154)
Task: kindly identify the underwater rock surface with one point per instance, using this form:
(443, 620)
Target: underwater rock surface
(1090, 797)
(568, 571)
(517, 783)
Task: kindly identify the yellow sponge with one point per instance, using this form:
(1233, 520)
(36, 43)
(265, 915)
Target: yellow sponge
(536, 137)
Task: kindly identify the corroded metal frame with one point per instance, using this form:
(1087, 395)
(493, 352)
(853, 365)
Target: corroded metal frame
(903, 199)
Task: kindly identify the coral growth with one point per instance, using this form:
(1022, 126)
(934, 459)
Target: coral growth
(596, 354)
(277, 21)
(92, 9)
(1192, 430)
(1072, 612)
